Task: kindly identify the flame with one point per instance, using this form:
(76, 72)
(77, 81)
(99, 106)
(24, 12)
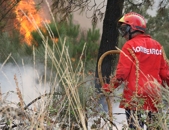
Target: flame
(27, 16)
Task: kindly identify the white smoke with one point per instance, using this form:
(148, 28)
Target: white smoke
(28, 79)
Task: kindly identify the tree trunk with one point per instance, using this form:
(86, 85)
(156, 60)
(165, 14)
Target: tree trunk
(109, 38)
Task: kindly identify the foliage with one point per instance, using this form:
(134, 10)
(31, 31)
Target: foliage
(157, 28)
(75, 38)
(62, 9)
(12, 45)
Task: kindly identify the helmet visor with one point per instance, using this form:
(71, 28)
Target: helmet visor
(124, 29)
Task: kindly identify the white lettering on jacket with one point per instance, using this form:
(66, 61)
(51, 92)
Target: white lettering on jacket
(147, 51)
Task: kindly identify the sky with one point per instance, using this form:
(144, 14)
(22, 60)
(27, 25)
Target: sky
(86, 22)
(84, 19)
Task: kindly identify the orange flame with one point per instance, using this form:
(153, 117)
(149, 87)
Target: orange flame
(27, 17)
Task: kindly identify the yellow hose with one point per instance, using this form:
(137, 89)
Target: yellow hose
(109, 103)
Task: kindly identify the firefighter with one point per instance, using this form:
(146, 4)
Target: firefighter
(141, 68)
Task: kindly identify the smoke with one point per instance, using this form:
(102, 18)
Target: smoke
(28, 79)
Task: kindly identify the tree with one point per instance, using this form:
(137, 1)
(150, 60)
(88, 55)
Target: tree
(109, 36)
(7, 13)
(158, 28)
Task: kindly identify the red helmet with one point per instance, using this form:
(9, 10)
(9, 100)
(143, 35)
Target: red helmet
(136, 21)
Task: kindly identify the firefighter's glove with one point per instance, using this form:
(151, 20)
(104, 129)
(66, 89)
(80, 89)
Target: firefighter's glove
(106, 88)
(115, 82)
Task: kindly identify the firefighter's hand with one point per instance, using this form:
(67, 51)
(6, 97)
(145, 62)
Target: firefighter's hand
(115, 82)
(106, 88)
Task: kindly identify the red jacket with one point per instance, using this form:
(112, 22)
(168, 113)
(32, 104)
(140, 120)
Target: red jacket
(141, 64)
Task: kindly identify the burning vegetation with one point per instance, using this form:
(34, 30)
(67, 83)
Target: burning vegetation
(28, 17)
